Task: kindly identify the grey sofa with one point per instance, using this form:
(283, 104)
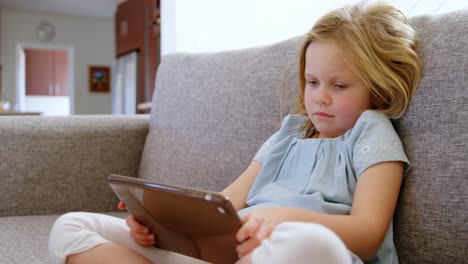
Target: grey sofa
(210, 114)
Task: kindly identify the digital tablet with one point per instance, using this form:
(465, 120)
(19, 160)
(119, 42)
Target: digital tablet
(197, 223)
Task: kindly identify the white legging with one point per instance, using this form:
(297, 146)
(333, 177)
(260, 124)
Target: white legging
(290, 242)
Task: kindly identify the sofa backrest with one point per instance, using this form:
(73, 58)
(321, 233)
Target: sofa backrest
(431, 222)
(211, 112)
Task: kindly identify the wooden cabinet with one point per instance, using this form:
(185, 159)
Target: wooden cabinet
(137, 29)
(61, 73)
(46, 72)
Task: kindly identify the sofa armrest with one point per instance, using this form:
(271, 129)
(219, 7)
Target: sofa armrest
(51, 165)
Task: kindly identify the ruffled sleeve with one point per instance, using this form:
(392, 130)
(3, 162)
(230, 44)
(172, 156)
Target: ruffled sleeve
(376, 141)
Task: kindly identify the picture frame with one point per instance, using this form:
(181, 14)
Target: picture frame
(99, 79)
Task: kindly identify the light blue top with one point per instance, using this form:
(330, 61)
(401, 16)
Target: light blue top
(320, 174)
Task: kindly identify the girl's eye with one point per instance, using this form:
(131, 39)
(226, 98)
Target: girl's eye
(312, 83)
(340, 86)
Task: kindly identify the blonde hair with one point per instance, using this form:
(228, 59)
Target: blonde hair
(380, 45)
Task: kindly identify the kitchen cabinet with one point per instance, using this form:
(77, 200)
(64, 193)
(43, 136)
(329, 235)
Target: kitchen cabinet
(46, 72)
(137, 28)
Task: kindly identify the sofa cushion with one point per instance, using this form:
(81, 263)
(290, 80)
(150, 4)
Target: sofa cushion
(432, 216)
(24, 239)
(211, 113)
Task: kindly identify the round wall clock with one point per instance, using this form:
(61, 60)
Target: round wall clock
(45, 31)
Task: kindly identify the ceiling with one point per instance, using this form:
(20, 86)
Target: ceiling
(93, 8)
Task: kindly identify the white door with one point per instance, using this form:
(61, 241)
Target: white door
(124, 90)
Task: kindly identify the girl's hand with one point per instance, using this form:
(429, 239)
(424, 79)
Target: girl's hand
(140, 233)
(257, 226)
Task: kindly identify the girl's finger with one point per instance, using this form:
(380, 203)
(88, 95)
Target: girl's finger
(247, 246)
(249, 228)
(122, 206)
(264, 231)
(255, 240)
(142, 239)
(135, 226)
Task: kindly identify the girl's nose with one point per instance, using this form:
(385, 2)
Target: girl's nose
(322, 97)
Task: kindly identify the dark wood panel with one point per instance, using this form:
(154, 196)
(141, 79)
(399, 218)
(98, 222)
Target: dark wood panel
(130, 30)
(129, 26)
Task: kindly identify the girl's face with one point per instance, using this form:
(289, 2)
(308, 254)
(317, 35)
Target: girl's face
(334, 97)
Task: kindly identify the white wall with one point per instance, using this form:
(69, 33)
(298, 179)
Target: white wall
(92, 40)
(187, 26)
(217, 25)
(48, 105)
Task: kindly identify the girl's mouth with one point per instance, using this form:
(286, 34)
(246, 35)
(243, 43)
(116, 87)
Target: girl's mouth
(322, 114)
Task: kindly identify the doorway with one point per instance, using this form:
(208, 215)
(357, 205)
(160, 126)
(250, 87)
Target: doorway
(44, 79)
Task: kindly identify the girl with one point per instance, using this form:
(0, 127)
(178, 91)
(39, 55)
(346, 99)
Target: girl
(324, 187)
